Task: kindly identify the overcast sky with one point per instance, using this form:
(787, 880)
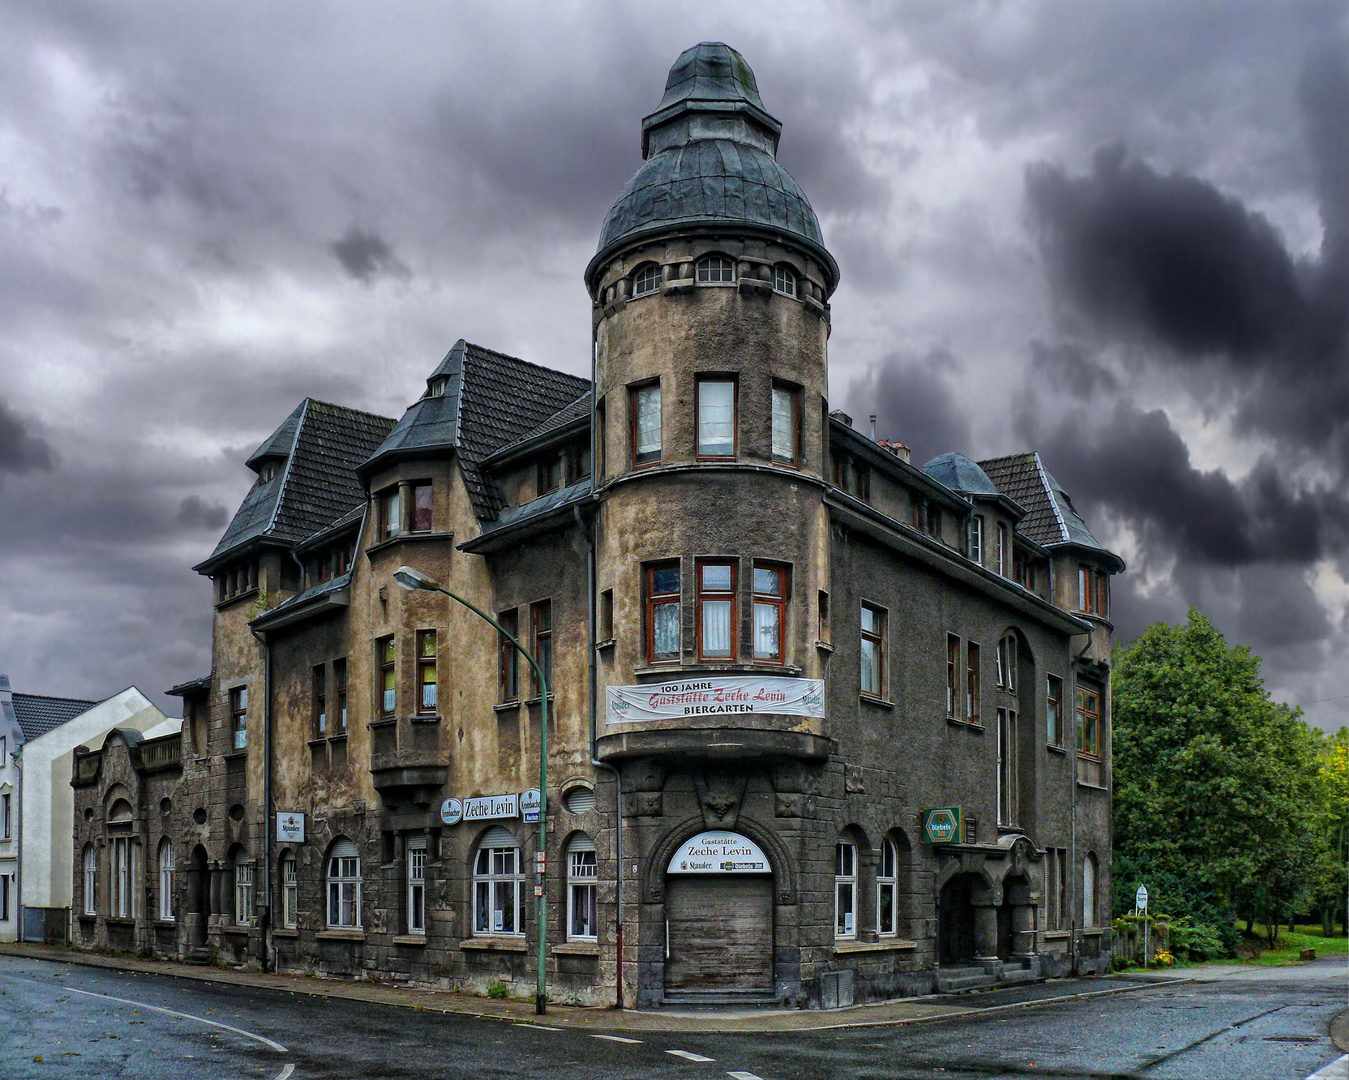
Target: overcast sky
(1116, 233)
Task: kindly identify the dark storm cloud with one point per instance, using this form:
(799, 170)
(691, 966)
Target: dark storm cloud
(915, 401)
(365, 255)
(1169, 256)
(194, 512)
(21, 450)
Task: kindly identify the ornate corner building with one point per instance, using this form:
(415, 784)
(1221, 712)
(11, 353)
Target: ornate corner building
(823, 726)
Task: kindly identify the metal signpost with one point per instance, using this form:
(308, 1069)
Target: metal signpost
(411, 579)
(1141, 908)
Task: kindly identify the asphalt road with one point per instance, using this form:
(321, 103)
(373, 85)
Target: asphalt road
(70, 1021)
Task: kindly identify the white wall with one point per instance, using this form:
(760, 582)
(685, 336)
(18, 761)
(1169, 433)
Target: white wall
(49, 801)
(9, 849)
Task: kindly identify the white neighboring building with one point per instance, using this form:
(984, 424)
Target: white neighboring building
(51, 729)
(11, 738)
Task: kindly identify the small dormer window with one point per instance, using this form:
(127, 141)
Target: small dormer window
(715, 270)
(784, 281)
(267, 471)
(437, 388)
(646, 280)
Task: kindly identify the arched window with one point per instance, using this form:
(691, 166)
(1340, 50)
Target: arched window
(887, 891)
(344, 885)
(845, 889)
(120, 908)
(715, 270)
(1089, 890)
(90, 879)
(784, 280)
(498, 884)
(1007, 662)
(166, 879)
(290, 892)
(416, 872)
(582, 905)
(646, 280)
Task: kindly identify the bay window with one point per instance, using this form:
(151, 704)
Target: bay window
(239, 716)
(646, 424)
(770, 612)
(426, 672)
(716, 611)
(421, 507)
(716, 405)
(786, 424)
(662, 613)
(385, 657)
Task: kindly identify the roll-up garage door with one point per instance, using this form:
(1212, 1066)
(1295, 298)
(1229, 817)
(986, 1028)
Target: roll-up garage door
(720, 932)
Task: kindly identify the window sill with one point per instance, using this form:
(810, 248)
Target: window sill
(338, 738)
(577, 948)
(341, 934)
(87, 917)
(321, 740)
(969, 725)
(383, 721)
(1055, 749)
(402, 538)
(495, 944)
(235, 755)
(845, 948)
(409, 939)
(119, 920)
(824, 646)
(717, 667)
(236, 928)
(425, 718)
(1092, 787)
(1058, 935)
(1093, 931)
(285, 932)
(165, 924)
(607, 643)
(1011, 830)
(506, 706)
(537, 698)
(875, 699)
(239, 597)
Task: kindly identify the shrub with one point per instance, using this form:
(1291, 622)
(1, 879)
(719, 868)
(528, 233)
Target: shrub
(496, 990)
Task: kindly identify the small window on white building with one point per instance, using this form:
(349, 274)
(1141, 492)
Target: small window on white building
(416, 898)
(582, 899)
(166, 864)
(498, 884)
(845, 890)
(344, 885)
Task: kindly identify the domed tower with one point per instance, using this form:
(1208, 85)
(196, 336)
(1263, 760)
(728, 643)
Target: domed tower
(711, 318)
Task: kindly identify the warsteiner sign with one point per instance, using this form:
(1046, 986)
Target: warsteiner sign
(941, 825)
(719, 853)
(714, 697)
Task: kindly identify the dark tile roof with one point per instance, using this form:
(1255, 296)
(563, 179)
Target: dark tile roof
(318, 484)
(335, 584)
(1051, 517)
(577, 410)
(490, 400)
(280, 441)
(38, 714)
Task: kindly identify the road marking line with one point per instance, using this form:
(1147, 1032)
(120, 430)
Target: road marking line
(741, 1074)
(284, 1074)
(271, 1044)
(1336, 1070)
(689, 1056)
(614, 1038)
(536, 1027)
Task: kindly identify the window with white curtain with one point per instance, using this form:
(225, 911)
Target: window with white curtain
(646, 433)
(498, 885)
(582, 898)
(416, 896)
(845, 890)
(290, 892)
(785, 426)
(716, 418)
(90, 879)
(166, 863)
(716, 611)
(887, 889)
(344, 885)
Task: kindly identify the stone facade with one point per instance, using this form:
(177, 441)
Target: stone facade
(732, 527)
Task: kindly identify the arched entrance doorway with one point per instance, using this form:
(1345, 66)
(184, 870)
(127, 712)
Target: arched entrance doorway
(955, 920)
(198, 896)
(718, 917)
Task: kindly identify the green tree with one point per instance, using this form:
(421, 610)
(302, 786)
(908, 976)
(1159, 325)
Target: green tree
(1332, 877)
(1215, 784)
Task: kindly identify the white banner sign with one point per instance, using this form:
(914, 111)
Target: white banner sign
(711, 697)
(290, 828)
(492, 806)
(719, 853)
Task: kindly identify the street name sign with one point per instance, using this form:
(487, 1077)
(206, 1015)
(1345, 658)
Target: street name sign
(1141, 899)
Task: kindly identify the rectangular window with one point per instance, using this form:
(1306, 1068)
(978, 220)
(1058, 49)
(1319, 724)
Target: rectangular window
(770, 612)
(421, 507)
(582, 898)
(1084, 589)
(1054, 711)
(662, 613)
(426, 672)
(121, 879)
(1023, 571)
(601, 444)
(716, 418)
(319, 682)
(1088, 721)
(934, 521)
(290, 893)
(4, 897)
(1103, 595)
(7, 824)
(340, 676)
(607, 615)
(548, 475)
(859, 480)
(716, 611)
(822, 617)
(4, 754)
(952, 675)
(786, 425)
(1056, 888)
(845, 891)
(239, 716)
(243, 893)
(646, 433)
(975, 540)
(90, 879)
(578, 463)
(972, 682)
(873, 650)
(166, 867)
(1004, 549)
(541, 631)
(1007, 767)
(498, 892)
(885, 890)
(390, 519)
(385, 657)
(416, 899)
(508, 663)
(1007, 663)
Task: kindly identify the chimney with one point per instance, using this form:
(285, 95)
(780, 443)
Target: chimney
(873, 427)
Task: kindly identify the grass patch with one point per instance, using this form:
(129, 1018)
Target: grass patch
(1306, 936)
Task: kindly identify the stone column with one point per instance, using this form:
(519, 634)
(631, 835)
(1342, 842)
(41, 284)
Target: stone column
(404, 507)
(985, 929)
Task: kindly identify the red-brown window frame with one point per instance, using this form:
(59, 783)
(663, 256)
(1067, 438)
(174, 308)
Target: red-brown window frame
(238, 717)
(713, 377)
(426, 664)
(340, 677)
(794, 393)
(508, 658)
(319, 677)
(877, 636)
(1103, 594)
(952, 675)
(633, 393)
(386, 661)
(779, 601)
(655, 600)
(541, 640)
(414, 492)
(972, 703)
(383, 498)
(1054, 708)
(1084, 589)
(1080, 713)
(717, 595)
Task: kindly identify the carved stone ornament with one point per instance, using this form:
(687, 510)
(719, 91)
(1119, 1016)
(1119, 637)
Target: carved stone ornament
(719, 794)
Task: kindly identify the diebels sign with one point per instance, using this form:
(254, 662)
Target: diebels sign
(713, 697)
(942, 825)
(719, 852)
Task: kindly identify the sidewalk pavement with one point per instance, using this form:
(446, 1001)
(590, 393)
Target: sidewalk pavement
(877, 1014)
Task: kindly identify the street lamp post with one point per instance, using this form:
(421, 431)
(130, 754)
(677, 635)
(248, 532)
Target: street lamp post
(411, 579)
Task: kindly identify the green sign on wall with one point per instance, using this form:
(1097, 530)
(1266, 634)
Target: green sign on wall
(941, 825)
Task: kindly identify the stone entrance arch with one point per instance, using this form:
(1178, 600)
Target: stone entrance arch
(957, 937)
(987, 893)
